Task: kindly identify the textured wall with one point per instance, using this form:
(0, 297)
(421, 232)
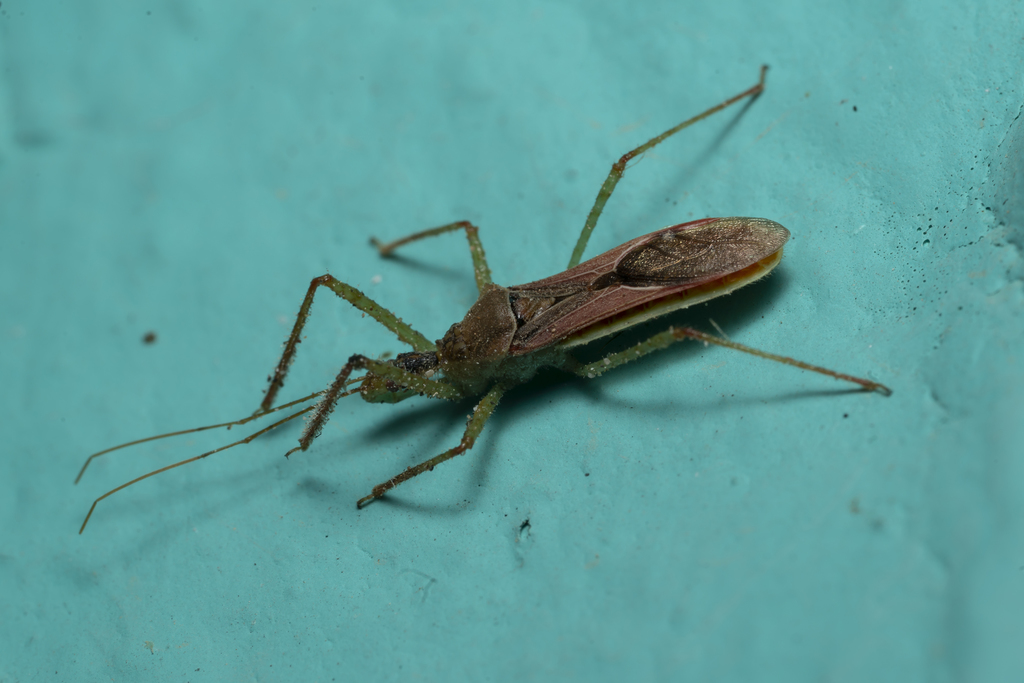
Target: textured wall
(187, 167)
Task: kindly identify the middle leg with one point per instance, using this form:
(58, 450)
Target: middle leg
(481, 271)
(484, 409)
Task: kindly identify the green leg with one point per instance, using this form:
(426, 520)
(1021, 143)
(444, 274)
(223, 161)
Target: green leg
(674, 334)
(619, 167)
(614, 360)
(484, 409)
(401, 377)
(476, 249)
(364, 303)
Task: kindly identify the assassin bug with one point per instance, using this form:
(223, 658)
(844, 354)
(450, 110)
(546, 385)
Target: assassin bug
(511, 332)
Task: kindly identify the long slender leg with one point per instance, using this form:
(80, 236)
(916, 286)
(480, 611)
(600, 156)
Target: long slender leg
(364, 303)
(476, 248)
(619, 167)
(474, 425)
(674, 334)
(402, 378)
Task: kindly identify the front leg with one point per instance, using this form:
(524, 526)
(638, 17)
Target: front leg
(352, 295)
(401, 377)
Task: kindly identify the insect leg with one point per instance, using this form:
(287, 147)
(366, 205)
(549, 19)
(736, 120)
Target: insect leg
(476, 249)
(474, 425)
(401, 377)
(364, 303)
(674, 334)
(619, 167)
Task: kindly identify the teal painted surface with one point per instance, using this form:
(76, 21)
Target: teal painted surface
(187, 168)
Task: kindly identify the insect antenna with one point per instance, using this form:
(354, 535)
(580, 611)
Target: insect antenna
(186, 461)
(194, 430)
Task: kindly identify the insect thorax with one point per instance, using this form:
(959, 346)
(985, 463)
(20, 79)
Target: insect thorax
(471, 351)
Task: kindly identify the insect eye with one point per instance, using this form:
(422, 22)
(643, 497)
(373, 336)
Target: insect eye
(419, 363)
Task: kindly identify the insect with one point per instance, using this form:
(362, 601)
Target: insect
(512, 332)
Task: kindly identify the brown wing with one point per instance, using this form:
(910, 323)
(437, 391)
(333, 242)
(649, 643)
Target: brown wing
(635, 277)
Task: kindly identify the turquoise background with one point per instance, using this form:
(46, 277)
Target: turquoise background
(187, 167)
